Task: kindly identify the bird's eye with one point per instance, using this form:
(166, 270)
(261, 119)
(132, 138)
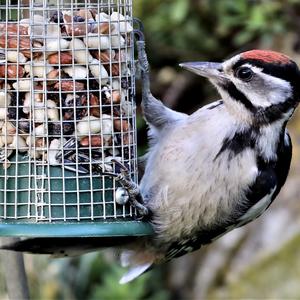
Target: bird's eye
(244, 73)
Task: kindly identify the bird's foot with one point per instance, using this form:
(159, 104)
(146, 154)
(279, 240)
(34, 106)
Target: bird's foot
(140, 45)
(142, 57)
(135, 197)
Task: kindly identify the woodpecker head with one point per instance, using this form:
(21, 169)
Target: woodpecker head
(258, 86)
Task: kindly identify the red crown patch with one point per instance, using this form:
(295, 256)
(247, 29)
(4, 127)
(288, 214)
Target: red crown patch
(267, 56)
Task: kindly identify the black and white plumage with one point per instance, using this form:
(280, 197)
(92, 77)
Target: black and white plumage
(219, 168)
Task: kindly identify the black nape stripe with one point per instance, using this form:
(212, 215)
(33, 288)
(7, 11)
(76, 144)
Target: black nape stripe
(274, 112)
(238, 96)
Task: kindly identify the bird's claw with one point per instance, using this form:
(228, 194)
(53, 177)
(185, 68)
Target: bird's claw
(132, 189)
(123, 168)
(4, 154)
(141, 209)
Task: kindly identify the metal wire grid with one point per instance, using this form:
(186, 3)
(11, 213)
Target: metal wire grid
(66, 90)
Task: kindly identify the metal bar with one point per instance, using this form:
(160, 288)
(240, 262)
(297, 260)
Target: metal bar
(14, 272)
(25, 12)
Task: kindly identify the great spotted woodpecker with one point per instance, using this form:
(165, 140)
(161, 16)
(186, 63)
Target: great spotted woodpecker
(221, 167)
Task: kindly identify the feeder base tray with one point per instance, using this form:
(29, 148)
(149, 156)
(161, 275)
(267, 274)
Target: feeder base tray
(80, 229)
(71, 239)
(70, 246)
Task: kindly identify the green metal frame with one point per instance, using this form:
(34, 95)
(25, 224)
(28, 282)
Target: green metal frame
(79, 229)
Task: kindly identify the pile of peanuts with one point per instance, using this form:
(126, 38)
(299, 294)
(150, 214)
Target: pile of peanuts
(62, 77)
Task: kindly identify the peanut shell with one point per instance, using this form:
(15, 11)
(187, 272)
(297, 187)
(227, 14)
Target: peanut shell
(69, 85)
(94, 141)
(64, 58)
(12, 71)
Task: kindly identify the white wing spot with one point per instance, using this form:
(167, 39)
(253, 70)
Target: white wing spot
(257, 209)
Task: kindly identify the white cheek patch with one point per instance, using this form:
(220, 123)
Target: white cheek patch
(264, 90)
(279, 89)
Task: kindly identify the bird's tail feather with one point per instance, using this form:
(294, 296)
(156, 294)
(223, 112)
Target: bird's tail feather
(138, 263)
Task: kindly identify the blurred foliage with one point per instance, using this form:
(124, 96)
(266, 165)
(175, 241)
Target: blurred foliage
(184, 29)
(176, 30)
(92, 276)
(266, 277)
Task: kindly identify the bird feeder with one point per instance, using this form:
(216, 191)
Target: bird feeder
(67, 118)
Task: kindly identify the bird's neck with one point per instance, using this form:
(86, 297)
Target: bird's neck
(254, 130)
(269, 137)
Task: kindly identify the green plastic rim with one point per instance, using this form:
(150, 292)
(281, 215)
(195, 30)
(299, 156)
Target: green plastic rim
(81, 229)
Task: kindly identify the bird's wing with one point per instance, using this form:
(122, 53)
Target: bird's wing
(269, 182)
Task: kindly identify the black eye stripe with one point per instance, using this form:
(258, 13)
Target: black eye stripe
(262, 115)
(288, 72)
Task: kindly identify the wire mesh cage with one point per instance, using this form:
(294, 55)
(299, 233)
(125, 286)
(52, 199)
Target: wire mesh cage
(67, 116)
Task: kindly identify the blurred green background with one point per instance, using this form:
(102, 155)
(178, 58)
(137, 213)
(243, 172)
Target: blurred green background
(261, 260)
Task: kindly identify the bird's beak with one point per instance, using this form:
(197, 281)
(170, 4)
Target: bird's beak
(210, 70)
